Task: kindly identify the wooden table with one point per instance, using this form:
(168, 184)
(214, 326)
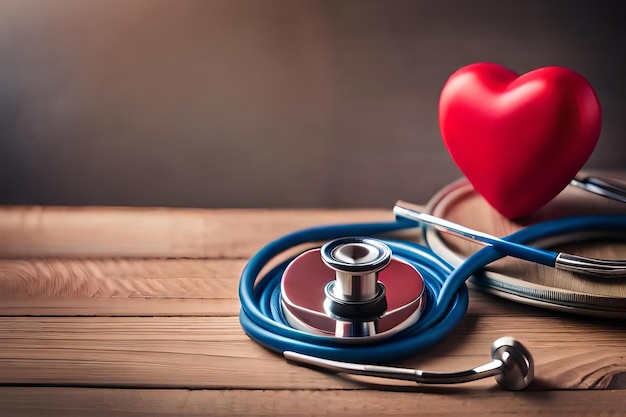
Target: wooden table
(134, 311)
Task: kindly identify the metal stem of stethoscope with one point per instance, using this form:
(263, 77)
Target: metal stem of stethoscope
(559, 260)
(355, 299)
(512, 365)
(601, 186)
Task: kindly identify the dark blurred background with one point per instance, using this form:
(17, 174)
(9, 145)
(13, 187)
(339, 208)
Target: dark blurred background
(268, 103)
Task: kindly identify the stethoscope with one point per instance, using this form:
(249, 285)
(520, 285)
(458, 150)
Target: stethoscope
(358, 300)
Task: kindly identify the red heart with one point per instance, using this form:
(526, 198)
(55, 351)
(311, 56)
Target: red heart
(518, 139)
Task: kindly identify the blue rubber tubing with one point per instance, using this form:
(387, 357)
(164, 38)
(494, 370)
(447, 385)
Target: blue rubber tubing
(447, 294)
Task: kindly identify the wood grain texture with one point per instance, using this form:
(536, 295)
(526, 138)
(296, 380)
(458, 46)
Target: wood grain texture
(119, 307)
(145, 302)
(156, 232)
(74, 402)
(119, 278)
(198, 352)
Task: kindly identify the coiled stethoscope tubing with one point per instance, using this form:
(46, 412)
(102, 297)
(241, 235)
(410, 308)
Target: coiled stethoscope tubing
(262, 319)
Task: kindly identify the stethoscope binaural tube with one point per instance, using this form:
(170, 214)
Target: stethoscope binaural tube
(262, 320)
(567, 262)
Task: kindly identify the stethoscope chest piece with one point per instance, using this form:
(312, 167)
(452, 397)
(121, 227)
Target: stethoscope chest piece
(352, 289)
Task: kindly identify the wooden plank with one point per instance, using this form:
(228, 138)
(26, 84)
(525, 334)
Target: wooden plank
(119, 287)
(480, 304)
(32, 231)
(144, 287)
(118, 307)
(221, 305)
(196, 352)
(119, 278)
(70, 402)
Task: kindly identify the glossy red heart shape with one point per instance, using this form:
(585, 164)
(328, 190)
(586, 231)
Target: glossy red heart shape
(519, 139)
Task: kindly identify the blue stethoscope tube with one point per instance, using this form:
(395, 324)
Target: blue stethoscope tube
(261, 315)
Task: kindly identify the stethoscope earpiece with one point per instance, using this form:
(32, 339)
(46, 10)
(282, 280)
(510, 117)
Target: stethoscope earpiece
(512, 365)
(517, 370)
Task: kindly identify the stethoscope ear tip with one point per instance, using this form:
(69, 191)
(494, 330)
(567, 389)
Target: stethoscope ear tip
(518, 366)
